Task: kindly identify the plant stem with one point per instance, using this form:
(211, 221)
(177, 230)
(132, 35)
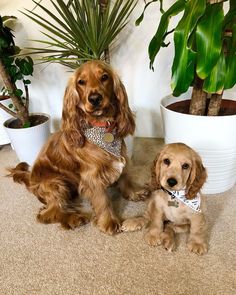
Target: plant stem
(13, 114)
(214, 105)
(103, 4)
(198, 99)
(22, 112)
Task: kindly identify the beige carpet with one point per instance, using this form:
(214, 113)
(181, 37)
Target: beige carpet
(44, 259)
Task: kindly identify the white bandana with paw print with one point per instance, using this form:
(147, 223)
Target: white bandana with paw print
(181, 196)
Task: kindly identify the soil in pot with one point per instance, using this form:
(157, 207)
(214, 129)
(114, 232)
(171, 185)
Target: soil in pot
(228, 107)
(34, 121)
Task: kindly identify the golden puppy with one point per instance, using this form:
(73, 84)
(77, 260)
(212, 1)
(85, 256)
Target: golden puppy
(175, 204)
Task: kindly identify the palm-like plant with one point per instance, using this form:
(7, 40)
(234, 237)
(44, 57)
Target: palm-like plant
(205, 50)
(80, 30)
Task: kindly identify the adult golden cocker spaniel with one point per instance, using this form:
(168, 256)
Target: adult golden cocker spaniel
(87, 155)
(175, 204)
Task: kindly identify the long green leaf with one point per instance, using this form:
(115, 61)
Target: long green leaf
(184, 60)
(230, 79)
(214, 83)
(230, 17)
(140, 19)
(208, 39)
(158, 39)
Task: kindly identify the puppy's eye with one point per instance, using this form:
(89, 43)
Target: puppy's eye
(81, 82)
(185, 166)
(104, 77)
(166, 162)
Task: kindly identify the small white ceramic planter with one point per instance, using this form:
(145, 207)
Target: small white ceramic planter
(27, 142)
(212, 137)
(4, 138)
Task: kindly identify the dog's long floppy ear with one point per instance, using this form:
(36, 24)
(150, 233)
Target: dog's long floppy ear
(72, 115)
(155, 174)
(125, 118)
(197, 177)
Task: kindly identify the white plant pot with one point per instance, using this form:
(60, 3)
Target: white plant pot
(27, 142)
(4, 138)
(212, 137)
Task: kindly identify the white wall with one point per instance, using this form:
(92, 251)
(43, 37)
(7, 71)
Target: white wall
(129, 57)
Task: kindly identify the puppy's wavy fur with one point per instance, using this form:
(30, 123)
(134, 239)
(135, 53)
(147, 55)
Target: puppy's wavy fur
(177, 167)
(69, 166)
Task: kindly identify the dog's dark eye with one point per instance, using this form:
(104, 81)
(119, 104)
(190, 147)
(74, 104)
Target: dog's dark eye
(104, 77)
(81, 82)
(166, 162)
(185, 166)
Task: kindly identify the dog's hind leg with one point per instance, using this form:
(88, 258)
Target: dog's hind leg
(56, 194)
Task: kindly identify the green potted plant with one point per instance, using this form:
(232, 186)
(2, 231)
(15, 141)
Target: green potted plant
(79, 31)
(14, 72)
(204, 59)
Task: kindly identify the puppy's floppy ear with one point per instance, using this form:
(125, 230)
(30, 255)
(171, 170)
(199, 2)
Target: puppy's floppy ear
(155, 174)
(197, 177)
(125, 118)
(72, 115)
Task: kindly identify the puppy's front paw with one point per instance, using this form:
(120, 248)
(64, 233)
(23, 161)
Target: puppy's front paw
(197, 248)
(152, 238)
(133, 224)
(168, 242)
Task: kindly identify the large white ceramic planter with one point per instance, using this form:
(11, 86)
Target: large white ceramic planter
(27, 142)
(4, 139)
(212, 137)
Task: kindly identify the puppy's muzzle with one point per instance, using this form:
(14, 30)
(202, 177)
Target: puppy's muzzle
(172, 182)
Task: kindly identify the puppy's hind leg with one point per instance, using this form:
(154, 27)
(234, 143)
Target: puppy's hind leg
(131, 190)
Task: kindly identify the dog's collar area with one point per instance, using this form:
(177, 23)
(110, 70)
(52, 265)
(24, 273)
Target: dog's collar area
(104, 138)
(108, 125)
(181, 196)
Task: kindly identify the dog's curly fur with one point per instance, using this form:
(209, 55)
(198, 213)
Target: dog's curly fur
(177, 167)
(69, 166)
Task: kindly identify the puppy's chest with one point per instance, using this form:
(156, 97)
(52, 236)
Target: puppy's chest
(175, 211)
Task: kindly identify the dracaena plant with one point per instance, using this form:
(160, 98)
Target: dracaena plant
(205, 50)
(79, 30)
(14, 70)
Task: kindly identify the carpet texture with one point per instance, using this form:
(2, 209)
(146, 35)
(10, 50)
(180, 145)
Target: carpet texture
(46, 260)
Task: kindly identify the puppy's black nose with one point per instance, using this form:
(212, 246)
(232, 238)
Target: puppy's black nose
(172, 182)
(95, 99)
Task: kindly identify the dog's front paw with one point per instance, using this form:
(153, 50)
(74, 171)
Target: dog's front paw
(133, 224)
(152, 238)
(197, 248)
(110, 227)
(168, 242)
(73, 220)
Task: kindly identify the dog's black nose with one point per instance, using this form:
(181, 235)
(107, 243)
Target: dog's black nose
(172, 182)
(95, 99)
